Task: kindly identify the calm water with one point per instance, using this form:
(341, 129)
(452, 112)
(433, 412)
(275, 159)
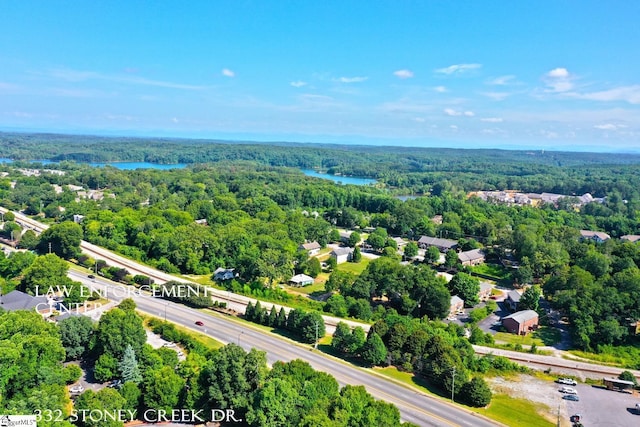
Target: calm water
(117, 165)
(140, 165)
(340, 179)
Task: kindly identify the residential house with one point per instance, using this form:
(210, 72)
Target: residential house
(202, 221)
(513, 299)
(301, 280)
(485, 291)
(521, 322)
(596, 236)
(342, 254)
(344, 236)
(77, 218)
(630, 238)
(443, 245)
(17, 300)
(223, 274)
(400, 242)
(312, 248)
(457, 304)
(472, 257)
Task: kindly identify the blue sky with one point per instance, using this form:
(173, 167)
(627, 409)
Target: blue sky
(544, 74)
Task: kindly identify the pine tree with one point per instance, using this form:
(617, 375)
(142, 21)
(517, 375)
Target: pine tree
(249, 313)
(281, 320)
(357, 256)
(129, 370)
(374, 352)
(273, 315)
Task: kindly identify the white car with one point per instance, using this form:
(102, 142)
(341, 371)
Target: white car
(76, 389)
(567, 381)
(568, 390)
(169, 345)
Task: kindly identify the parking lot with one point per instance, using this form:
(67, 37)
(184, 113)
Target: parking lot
(605, 408)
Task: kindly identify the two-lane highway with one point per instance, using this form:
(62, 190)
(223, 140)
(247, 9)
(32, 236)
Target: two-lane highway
(414, 406)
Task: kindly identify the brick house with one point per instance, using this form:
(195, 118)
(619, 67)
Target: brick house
(521, 322)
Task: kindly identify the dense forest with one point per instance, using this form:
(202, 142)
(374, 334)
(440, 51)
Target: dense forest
(39, 358)
(257, 213)
(409, 170)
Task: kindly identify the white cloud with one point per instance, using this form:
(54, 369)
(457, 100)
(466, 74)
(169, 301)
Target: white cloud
(298, 83)
(502, 80)
(351, 79)
(403, 74)
(228, 73)
(454, 127)
(558, 80)
(558, 73)
(609, 126)
(454, 113)
(175, 120)
(419, 119)
(491, 119)
(630, 94)
(458, 68)
(440, 89)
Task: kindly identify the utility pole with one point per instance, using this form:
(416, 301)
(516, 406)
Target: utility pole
(316, 343)
(49, 247)
(453, 383)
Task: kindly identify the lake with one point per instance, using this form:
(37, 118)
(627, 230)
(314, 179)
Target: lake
(117, 165)
(354, 180)
(139, 165)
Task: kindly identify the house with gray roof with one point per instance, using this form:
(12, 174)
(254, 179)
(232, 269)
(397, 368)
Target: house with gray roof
(17, 300)
(312, 248)
(342, 254)
(443, 245)
(521, 322)
(472, 257)
(513, 299)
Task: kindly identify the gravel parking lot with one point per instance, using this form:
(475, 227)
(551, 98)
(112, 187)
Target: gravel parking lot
(605, 408)
(598, 407)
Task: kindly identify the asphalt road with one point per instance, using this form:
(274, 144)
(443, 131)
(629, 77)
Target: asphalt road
(414, 406)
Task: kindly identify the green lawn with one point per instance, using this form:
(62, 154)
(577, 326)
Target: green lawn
(495, 270)
(354, 267)
(503, 408)
(543, 336)
(318, 286)
(515, 412)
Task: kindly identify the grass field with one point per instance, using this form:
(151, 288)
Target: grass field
(503, 408)
(354, 267)
(515, 412)
(624, 356)
(541, 337)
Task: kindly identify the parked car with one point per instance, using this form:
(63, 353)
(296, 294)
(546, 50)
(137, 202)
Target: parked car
(573, 397)
(199, 323)
(567, 381)
(169, 344)
(568, 390)
(76, 389)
